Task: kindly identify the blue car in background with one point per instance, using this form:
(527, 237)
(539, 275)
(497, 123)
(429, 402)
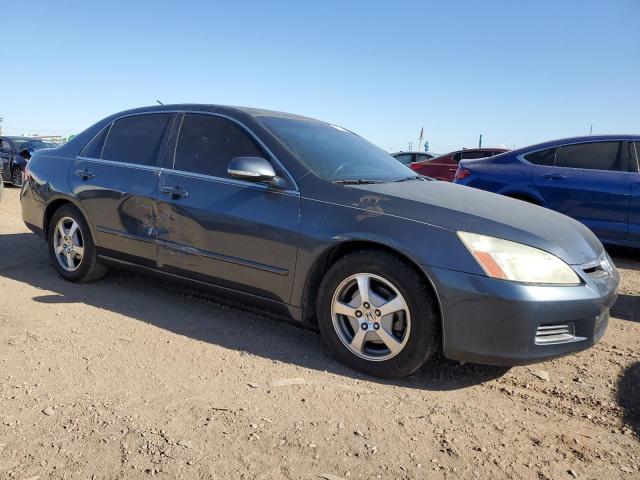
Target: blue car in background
(594, 179)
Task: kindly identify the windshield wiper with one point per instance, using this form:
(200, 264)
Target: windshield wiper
(406, 179)
(356, 181)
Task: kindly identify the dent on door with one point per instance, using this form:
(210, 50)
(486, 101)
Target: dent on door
(235, 235)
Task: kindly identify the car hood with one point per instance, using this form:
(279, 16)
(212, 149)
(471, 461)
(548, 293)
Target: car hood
(459, 208)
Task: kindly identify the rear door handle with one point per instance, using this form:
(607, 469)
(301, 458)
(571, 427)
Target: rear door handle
(85, 174)
(554, 176)
(175, 191)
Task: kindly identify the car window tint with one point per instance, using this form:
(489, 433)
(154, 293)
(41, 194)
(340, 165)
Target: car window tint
(476, 154)
(94, 147)
(208, 143)
(593, 156)
(421, 157)
(637, 157)
(138, 139)
(543, 157)
(4, 145)
(405, 158)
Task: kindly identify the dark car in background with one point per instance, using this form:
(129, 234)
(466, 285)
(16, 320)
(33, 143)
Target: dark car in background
(310, 220)
(15, 153)
(444, 167)
(407, 158)
(593, 179)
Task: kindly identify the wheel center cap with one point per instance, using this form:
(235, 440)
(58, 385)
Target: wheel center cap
(369, 316)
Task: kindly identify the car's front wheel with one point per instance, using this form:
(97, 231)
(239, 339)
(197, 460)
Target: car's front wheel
(71, 246)
(377, 315)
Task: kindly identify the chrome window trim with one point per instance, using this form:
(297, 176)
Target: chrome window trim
(246, 129)
(121, 164)
(251, 134)
(636, 149)
(105, 139)
(233, 181)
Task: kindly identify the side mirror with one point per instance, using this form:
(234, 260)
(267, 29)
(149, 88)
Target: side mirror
(254, 169)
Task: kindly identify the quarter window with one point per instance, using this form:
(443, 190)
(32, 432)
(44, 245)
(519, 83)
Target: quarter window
(94, 148)
(139, 139)
(592, 156)
(543, 157)
(208, 143)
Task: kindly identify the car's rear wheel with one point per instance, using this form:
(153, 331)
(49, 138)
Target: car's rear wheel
(71, 246)
(16, 177)
(377, 315)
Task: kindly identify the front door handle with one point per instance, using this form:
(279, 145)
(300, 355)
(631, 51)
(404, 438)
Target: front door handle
(554, 176)
(175, 191)
(85, 174)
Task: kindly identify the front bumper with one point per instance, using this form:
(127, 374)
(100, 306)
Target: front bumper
(497, 322)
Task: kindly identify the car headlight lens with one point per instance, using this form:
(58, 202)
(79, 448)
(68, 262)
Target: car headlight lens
(517, 262)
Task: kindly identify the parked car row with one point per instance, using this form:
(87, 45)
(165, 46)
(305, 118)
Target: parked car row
(312, 221)
(14, 155)
(444, 167)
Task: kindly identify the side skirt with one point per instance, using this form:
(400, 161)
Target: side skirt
(236, 298)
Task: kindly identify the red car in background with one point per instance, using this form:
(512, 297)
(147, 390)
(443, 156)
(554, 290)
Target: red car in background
(444, 167)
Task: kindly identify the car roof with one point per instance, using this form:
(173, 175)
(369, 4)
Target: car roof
(203, 107)
(413, 151)
(569, 140)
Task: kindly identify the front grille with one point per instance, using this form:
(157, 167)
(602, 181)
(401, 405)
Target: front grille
(550, 334)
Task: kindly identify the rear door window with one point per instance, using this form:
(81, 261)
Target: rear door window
(471, 155)
(208, 143)
(592, 156)
(139, 139)
(543, 157)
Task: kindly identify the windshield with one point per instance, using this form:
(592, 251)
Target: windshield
(23, 143)
(336, 154)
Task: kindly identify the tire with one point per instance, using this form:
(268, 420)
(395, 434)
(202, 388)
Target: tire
(87, 267)
(16, 177)
(414, 328)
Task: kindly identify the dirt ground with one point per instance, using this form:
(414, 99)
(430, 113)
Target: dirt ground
(133, 377)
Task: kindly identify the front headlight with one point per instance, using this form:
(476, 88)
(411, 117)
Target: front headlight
(517, 262)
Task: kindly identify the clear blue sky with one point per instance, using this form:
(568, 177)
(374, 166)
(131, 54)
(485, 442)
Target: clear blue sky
(517, 71)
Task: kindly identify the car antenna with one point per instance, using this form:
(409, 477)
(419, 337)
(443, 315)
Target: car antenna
(159, 102)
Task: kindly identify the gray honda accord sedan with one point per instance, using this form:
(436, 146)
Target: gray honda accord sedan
(309, 220)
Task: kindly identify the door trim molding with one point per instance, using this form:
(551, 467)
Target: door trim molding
(175, 247)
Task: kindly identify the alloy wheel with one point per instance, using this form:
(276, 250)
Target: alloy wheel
(68, 244)
(371, 317)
